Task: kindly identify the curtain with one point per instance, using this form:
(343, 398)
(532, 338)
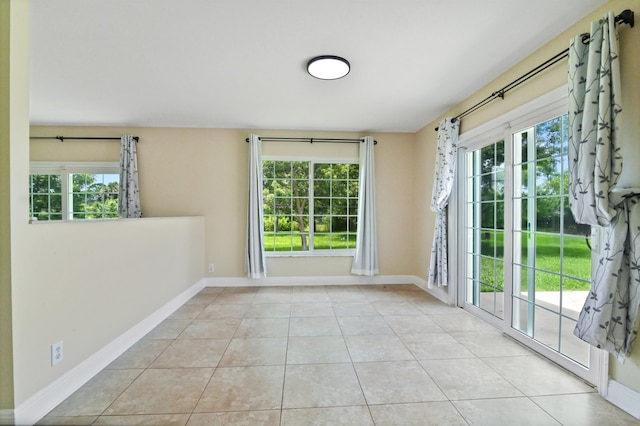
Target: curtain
(129, 194)
(365, 260)
(442, 185)
(255, 263)
(609, 318)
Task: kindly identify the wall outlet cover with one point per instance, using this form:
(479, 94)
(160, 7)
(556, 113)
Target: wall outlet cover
(56, 353)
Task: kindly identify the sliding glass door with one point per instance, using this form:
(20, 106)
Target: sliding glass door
(527, 263)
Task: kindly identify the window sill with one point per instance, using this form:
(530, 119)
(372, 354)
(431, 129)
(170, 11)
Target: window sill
(39, 222)
(324, 253)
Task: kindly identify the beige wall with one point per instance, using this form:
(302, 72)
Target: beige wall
(204, 172)
(8, 13)
(6, 354)
(87, 283)
(629, 373)
(14, 133)
(423, 163)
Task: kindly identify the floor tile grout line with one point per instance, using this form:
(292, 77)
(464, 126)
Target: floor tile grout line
(423, 367)
(402, 341)
(213, 372)
(284, 370)
(118, 396)
(530, 398)
(141, 373)
(504, 377)
(355, 372)
(217, 364)
(148, 367)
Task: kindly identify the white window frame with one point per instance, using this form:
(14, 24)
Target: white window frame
(321, 252)
(67, 168)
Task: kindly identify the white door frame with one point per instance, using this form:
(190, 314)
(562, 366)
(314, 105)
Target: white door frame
(548, 106)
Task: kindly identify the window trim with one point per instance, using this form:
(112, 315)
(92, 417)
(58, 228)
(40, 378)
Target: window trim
(65, 168)
(312, 159)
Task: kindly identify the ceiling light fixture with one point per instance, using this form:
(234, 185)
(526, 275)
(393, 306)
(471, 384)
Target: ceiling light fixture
(328, 67)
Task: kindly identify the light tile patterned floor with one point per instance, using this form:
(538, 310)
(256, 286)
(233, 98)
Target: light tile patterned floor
(325, 355)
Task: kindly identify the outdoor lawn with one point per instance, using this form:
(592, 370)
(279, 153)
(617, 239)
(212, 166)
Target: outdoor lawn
(569, 255)
(283, 241)
(572, 257)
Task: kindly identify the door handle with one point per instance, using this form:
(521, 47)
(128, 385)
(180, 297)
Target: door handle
(586, 240)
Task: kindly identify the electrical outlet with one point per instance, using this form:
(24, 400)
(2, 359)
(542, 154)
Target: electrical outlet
(212, 267)
(56, 353)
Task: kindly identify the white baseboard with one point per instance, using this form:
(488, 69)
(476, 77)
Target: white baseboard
(624, 398)
(36, 407)
(308, 281)
(438, 293)
(6, 417)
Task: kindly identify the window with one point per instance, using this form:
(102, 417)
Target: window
(310, 206)
(72, 191)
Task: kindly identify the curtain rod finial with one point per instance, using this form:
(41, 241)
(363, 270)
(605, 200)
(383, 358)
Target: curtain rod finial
(453, 120)
(626, 17)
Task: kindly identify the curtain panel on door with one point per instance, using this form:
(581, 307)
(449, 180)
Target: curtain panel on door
(609, 318)
(255, 264)
(128, 194)
(442, 185)
(365, 259)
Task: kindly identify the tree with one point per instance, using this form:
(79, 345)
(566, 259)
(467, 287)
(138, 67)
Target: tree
(46, 197)
(286, 197)
(552, 179)
(491, 170)
(93, 199)
(549, 146)
(336, 196)
(300, 190)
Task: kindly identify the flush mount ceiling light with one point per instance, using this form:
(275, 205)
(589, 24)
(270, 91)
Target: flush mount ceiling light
(328, 67)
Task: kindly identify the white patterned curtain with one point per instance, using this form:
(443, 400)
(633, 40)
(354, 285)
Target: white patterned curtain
(609, 318)
(255, 264)
(442, 185)
(365, 260)
(129, 194)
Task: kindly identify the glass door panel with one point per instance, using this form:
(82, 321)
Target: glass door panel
(485, 229)
(551, 261)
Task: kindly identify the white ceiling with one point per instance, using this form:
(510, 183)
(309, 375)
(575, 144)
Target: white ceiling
(242, 63)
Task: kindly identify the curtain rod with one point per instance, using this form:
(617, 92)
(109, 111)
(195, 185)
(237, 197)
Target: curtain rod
(625, 17)
(310, 140)
(62, 138)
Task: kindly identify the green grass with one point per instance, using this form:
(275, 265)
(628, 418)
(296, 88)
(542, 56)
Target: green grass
(293, 242)
(573, 260)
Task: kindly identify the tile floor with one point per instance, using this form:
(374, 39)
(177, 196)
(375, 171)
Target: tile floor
(350, 355)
